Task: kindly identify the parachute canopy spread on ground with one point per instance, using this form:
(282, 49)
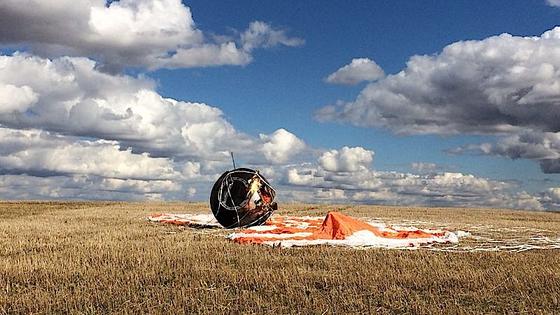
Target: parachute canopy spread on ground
(241, 198)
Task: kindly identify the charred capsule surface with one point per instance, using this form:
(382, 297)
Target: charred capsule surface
(242, 197)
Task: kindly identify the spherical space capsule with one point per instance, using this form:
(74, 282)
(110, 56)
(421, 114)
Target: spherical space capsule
(242, 197)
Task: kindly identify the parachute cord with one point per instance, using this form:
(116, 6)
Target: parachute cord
(233, 202)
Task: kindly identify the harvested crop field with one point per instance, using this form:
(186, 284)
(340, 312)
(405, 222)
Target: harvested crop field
(95, 257)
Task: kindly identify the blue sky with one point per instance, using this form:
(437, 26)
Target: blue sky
(122, 78)
(285, 86)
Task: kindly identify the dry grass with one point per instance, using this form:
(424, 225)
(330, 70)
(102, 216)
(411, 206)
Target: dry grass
(105, 258)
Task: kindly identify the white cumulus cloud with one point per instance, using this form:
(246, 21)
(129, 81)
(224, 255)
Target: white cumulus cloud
(83, 187)
(16, 98)
(331, 195)
(359, 70)
(492, 86)
(551, 197)
(114, 134)
(346, 159)
(36, 152)
(72, 97)
(144, 33)
(543, 147)
(365, 185)
(503, 85)
(261, 34)
(280, 146)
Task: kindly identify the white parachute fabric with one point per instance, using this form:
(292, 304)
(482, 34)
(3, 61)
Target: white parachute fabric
(470, 237)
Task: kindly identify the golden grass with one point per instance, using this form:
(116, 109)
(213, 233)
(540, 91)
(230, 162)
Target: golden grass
(105, 258)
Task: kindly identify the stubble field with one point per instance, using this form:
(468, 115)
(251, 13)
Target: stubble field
(95, 257)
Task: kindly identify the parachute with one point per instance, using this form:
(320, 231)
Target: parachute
(337, 229)
(241, 198)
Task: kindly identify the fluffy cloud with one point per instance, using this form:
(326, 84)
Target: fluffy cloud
(280, 146)
(551, 197)
(16, 98)
(203, 56)
(503, 85)
(331, 195)
(540, 146)
(346, 160)
(363, 184)
(359, 70)
(441, 185)
(36, 152)
(70, 96)
(261, 34)
(553, 3)
(544, 147)
(36, 164)
(87, 174)
(84, 187)
(114, 134)
(493, 86)
(147, 33)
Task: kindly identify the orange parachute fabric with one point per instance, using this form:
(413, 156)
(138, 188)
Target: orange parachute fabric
(335, 229)
(336, 226)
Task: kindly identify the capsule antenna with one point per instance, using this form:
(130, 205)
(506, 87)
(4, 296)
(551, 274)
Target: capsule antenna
(232, 159)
